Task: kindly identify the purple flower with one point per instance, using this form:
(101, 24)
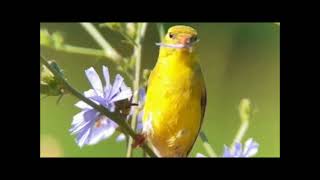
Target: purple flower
(250, 149)
(90, 126)
(142, 96)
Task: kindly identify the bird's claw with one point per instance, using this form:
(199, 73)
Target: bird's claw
(139, 140)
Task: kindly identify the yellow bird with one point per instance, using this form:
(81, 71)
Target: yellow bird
(176, 95)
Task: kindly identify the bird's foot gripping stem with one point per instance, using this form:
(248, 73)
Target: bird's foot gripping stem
(139, 140)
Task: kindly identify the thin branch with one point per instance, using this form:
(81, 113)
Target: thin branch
(128, 38)
(161, 31)
(79, 50)
(206, 144)
(96, 35)
(86, 51)
(244, 112)
(241, 132)
(136, 82)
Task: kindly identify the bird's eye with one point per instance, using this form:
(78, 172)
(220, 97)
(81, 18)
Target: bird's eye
(171, 35)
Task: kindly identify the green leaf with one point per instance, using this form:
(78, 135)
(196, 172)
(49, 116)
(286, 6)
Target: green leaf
(49, 85)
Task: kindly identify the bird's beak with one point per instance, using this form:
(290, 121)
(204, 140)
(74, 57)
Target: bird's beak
(184, 40)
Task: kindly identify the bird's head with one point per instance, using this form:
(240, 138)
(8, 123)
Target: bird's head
(180, 37)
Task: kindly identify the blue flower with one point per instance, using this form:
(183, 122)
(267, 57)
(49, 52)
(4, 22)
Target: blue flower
(90, 126)
(250, 149)
(142, 96)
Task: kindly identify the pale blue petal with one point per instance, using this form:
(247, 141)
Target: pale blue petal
(83, 105)
(111, 107)
(251, 148)
(121, 137)
(130, 113)
(90, 93)
(122, 95)
(113, 124)
(238, 150)
(142, 96)
(124, 87)
(81, 133)
(79, 127)
(78, 118)
(95, 81)
(83, 119)
(199, 155)
(83, 116)
(247, 145)
(100, 133)
(226, 152)
(81, 141)
(139, 122)
(107, 92)
(98, 100)
(116, 86)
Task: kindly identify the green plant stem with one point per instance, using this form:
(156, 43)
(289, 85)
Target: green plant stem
(135, 96)
(244, 113)
(110, 52)
(116, 117)
(206, 144)
(128, 38)
(127, 74)
(79, 50)
(143, 29)
(241, 132)
(136, 81)
(86, 51)
(161, 30)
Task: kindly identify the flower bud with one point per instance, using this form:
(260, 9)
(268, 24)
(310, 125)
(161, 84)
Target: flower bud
(45, 38)
(54, 40)
(49, 85)
(245, 109)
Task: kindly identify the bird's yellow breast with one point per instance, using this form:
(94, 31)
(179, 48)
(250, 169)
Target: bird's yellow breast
(172, 106)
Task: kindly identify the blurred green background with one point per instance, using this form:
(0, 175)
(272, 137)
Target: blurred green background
(238, 60)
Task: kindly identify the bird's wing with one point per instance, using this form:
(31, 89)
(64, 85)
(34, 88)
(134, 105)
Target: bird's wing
(151, 77)
(203, 102)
